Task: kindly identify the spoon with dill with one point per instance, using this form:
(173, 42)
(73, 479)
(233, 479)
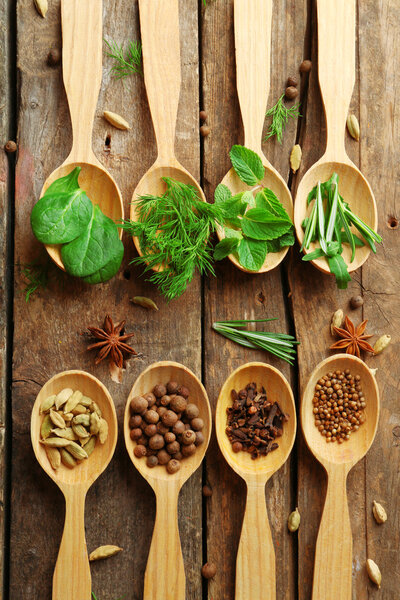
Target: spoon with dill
(162, 75)
(252, 22)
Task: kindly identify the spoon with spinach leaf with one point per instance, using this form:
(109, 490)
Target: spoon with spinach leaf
(68, 215)
(261, 248)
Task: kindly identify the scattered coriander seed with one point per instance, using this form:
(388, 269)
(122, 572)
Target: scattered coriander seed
(305, 66)
(205, 130)
(356, 302)
(54, 57)
(207, 491)
(203, 115)
(291, 92)
(208, 570)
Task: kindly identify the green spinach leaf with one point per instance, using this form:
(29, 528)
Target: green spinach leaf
(110, 268)
(247, 164)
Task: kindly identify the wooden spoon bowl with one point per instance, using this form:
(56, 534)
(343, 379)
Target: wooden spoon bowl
(99, 186)
(256, 571)
(334, 550)
(355, 190)
(165, 573)
(72, 577)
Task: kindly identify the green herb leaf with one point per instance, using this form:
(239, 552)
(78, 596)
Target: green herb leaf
(317, 253)
(252, 254)
(247, 164)
(93, 249)
(260, 224)
(357, 241)
(280, 116)
(222, 193)
(233, 233)
(287, 239)
(225, 247)
(339, 268)
(110, 268)
(125, 63)
(267, 200)
(63, 212)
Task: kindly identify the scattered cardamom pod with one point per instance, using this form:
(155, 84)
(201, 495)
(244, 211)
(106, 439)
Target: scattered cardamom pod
(145, 302)
(374, 572)
(41, 6)
(379, 512)
(382, 343)
(104, 552)
(73, 401)
(295, 157)
(66, 433)
(116, 120)
(67, 459)
(103, 431)
(47, 404)
(62, 397)
(54, 456)
(57, 419)
(337, 320)
(353, 127)
(46, 427)
(294, 520)
(77, 451)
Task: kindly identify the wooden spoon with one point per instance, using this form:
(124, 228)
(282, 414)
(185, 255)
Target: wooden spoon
(255, 571)
(336, 72)
(82, 69)
(159, 26)
(72, 579)
(253, 56)
(164, 578)
(334, 550)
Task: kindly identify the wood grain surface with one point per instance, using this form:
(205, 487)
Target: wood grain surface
(120, 506)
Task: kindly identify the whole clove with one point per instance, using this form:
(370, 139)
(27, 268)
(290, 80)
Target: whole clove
(254, 422)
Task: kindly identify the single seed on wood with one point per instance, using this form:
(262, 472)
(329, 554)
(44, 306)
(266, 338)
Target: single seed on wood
(104, 552)
(291, 82)
(374, 572)
(41, 6)
(54, 57)
(10, 147)
(381, 343)
(305, 66)
(356, 302)
(203, 115)
(337, 320)
(205, 130)
(116, 120)
(207, 491)
(291, 92)
(295, 157)
(379, 513)
(353, 127)
(373, 371)
(145, 302)
(294, 520)
(208, 570)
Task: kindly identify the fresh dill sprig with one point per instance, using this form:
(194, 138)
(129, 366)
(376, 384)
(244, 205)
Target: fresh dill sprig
(37, 276)
(280, 116)
(126, 63)
(279, 344)
(173, 232)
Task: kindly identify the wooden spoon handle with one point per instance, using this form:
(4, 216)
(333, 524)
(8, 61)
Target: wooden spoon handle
(253, 55)
(336, 67)
(72, 579)
(82, 64)
(334, 550)
(164, 578)
(159, 25)
(255, 562)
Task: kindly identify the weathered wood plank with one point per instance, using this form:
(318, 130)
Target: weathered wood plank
(234, 294)
(120, 506)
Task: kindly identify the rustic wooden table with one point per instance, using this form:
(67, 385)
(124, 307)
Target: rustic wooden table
(42, 337)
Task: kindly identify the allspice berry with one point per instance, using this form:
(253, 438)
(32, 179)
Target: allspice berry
(197, 424)
(172, 387)
(163, 457)
(188, 437)
(292, 81)
(135, 421)
(173, 466)
(165, 400)
(191, 411)
(139, 404)
(237, 446)
(173, 447)
(207, 491)
(161, 428)
(205, 130)
(169, 437)
(161, 410)
(208, 570)
(159, 390)
(136, 433)
(203, 115)
(10, 147)
(305, 66)
(169, 418)
(291, 92)
(178, 404)
(183, 391)
(54, 57)
(139, 451)
(150, 430)
(151, 399)
(356, 302)
(188, 450)
(152, 461)
(178, 428)
(151, 416)
(156, 442)
(199, 438)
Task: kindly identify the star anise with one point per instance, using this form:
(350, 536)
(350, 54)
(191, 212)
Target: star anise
(353, 338)
(112, 342)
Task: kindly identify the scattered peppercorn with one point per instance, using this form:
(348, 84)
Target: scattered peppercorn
(356, 302)
(338, 405)
(203, 115)
(305, 66)
(54, 57)
(291, 92)
(10, 147)
(205, 130)
(208, 570)
(292, 81)
(165, 426)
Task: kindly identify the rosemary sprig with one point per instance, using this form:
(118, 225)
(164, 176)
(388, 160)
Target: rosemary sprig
(279, 344)
(281, 114)
(125, 64)
(173, 232)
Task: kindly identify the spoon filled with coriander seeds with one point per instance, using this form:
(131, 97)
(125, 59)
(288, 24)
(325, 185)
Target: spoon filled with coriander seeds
(74, 432)
(167, 427)
(85, 231)
(169, 217)
(259, 399)
(327, 229)
(252, 22)
(339, 416)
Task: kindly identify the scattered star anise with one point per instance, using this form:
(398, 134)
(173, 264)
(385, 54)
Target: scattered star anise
(352, 338)
(112, 342)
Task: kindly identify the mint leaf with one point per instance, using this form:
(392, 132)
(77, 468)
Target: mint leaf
(287, 239)
(252, 254)
(248, 198)
(222, 193)
(263, 225)
(234, 233)
(225, 247)
(339, 269)
(247, 164)
(267, 200)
